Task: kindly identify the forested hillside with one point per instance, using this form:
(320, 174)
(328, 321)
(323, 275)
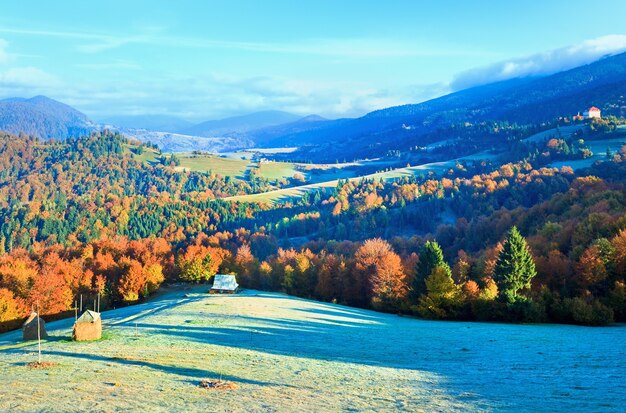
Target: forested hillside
(43, 117)
(86, 216)
(521, 101)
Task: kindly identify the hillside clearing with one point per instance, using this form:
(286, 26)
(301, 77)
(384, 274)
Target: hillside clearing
(598, 147)
(288, 354)
(285, 194)
(235, 168)
(276, 170)
(562, 132)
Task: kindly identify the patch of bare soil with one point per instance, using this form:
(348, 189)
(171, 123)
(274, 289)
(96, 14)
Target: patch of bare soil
(41, 364)
(218, 385)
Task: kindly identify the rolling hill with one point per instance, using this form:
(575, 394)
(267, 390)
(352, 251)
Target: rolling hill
(238, 126)
(43, 117)
(268, 135)
(286, 354)
(526, 101)
(158, 123)
(531, 100)
(176, 142)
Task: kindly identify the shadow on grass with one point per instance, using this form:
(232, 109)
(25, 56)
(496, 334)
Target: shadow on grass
(22, 344)
(343, 313)
(321, 338)
(187, 373)
(140, 312)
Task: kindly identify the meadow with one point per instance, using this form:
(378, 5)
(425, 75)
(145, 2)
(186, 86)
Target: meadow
(286, 354)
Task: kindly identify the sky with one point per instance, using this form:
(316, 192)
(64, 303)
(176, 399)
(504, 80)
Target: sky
(203, 60)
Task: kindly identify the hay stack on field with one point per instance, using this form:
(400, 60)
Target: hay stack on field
(88, 327)
(29, 329)
(224, 284)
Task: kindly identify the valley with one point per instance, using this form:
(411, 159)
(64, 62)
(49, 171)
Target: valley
(354, 206)
(316, 177)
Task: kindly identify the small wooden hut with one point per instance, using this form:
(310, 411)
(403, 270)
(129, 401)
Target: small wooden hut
(30, 326)
(224, 284)
(88, 327)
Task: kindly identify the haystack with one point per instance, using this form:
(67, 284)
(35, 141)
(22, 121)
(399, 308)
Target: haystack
(29, 329)
(224, 284)
(88, 327)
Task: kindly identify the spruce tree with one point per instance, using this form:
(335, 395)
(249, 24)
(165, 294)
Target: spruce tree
(515, 267)
(431, 256)
(443, 298)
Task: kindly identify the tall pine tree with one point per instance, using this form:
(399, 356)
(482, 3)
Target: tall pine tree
(515, 267)
(431, 257)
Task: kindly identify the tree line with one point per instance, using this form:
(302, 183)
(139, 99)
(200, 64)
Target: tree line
(362, 243)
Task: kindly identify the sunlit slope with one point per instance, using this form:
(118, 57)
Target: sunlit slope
(288, 354)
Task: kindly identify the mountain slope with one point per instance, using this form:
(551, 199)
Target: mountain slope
(238, 125)
(286, 354)
(43, 117)
(161, 123)
(527, 100)
(176, 142)
(268, 135)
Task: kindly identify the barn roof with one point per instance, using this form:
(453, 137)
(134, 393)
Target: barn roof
(32, 318)
(88, 317)
(224, 282)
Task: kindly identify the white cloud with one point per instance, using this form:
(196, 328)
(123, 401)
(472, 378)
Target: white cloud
(215, 95)
(209, 97)
(543, 63)
(5, 57)
(27, 77)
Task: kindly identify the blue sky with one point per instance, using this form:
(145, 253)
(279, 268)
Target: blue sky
(204, 59)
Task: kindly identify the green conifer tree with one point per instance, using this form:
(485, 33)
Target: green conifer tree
(431, 256)
(443, 296)
(515, 267)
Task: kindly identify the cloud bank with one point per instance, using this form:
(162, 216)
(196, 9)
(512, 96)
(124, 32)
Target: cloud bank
(541, 64)
(213, 95)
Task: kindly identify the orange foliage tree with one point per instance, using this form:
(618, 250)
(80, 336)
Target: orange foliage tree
(381, 270)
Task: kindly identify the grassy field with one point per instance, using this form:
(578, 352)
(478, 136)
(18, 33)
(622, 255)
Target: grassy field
(285, 194)
(235, 165)
(235, 168)
(562, 133)
(598, 147)
(277, 170)
(149, 155)
(290, 355)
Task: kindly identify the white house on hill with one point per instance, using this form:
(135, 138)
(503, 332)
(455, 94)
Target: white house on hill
(592, 112)
(224, 283)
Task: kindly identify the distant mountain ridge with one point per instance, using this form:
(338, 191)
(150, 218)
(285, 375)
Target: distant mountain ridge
(159, 123)
(47, 118)
(522, 100)
(268, 134)
(43, 117)
(525, 100)
(240, 125)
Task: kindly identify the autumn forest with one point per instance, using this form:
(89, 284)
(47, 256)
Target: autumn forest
(511, 242)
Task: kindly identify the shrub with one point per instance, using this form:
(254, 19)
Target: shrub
(526, 310)
(581, 311)
(617, 301)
